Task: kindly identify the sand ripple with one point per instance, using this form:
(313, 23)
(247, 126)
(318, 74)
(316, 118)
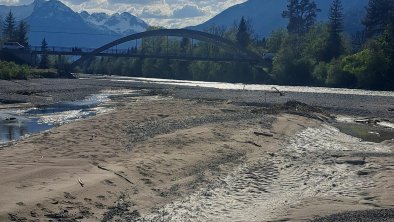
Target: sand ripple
(316, 162)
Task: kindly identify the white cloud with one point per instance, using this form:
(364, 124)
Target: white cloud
(167, 13)
(188, 11)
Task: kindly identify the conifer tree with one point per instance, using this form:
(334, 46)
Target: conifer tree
(380, 16)
(334, 47)
(22, 34)
(9, 27)
(243, 35)
(301, 15)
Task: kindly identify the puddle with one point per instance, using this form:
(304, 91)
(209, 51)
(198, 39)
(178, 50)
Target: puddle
(16, 124)
(366, 132)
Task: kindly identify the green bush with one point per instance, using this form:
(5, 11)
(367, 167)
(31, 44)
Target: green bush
(370, 67)
(10, 70)
(289, 70)
(337, 77)
(320, 73)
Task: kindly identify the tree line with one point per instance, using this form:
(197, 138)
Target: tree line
(310, 53)
(305, 53)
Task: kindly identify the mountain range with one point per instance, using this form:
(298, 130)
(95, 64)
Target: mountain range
(266, 15)
(61, 26)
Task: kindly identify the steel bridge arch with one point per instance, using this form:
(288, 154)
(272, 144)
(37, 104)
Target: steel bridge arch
(193, 34)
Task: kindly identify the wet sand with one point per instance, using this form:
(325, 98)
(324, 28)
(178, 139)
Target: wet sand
(163, 157)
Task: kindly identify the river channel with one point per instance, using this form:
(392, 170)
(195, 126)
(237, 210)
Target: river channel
(18, 123)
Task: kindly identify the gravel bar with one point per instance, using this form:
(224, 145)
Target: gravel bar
(381, 215)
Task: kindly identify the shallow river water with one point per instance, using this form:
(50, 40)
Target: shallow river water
(17, 123)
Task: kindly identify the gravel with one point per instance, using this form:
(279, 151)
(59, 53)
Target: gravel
(139, 132)
(48, 91)
(380, 215)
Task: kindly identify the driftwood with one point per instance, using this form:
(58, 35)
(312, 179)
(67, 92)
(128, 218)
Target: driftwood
(249, 142)
(117, 174)
(275, 91)
(367, 121)
(263, 134)
(80, 182)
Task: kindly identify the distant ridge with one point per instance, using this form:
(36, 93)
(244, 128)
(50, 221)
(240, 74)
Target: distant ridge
(265, 15)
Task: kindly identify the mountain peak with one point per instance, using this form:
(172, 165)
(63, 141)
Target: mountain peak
(121, 23)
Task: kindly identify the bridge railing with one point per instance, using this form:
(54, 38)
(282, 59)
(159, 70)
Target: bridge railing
(61, 49)
(132, 52)
(78, 49)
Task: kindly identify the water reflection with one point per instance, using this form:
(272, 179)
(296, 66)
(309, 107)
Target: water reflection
(16, 127)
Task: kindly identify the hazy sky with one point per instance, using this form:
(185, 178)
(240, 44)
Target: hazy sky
(169, 13)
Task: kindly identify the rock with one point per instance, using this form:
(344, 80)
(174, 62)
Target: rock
(10, 119)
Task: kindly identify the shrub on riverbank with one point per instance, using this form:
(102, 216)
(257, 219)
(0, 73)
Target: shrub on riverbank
(10, 70)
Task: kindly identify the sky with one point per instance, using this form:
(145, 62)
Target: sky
(168, 13)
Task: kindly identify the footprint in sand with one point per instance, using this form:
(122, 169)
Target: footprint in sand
(109, 183)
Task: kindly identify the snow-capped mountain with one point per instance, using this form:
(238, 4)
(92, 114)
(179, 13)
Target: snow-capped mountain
(266, 15)
(124, 23)
(61, 26)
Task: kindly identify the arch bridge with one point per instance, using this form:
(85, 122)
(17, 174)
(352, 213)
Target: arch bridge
(238, 53)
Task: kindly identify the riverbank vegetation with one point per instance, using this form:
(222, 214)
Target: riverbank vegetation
(322, 54)
(306, 53)
(11, 70)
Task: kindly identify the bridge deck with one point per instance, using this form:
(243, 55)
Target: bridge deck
(62, 51)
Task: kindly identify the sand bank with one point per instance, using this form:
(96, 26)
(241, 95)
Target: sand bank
(162, 158)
